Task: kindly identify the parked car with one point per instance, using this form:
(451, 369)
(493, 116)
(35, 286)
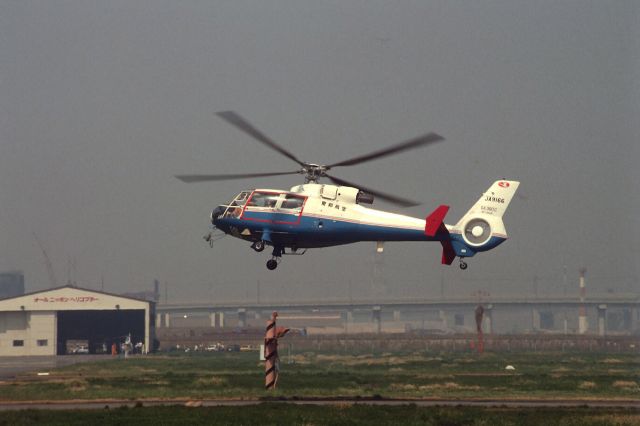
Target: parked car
(215, 347)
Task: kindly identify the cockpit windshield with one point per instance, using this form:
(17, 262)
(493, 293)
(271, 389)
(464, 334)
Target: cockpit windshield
(241, 198)
(234, 208)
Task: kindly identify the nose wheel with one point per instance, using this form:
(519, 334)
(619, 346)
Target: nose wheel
(463, 264)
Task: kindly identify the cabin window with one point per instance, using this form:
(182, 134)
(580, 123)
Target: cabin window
(292, 202)
(18, 343)
(261, 199)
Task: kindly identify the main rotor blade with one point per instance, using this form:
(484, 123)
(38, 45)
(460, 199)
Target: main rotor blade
(236, 120)
(390, 198)
(427, 139)
(209, 178)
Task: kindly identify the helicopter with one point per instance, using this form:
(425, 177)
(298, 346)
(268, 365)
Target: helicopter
(315, 215)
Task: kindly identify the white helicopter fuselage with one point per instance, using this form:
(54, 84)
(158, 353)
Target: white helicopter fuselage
(314, 215)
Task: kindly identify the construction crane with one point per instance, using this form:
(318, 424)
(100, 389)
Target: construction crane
(47, 261)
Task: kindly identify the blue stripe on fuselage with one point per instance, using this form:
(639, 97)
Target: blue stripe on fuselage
(316, 231)
(313, 232)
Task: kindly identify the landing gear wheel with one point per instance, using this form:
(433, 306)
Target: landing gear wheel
(258, 246)
(463, 265)
(272, 264)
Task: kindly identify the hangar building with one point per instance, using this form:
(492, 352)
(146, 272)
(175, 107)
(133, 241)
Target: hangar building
(45, 322)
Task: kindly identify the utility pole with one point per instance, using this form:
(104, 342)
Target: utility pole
(564, 293)
(583, 324)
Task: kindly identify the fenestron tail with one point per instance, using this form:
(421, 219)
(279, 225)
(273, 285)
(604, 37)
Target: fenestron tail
(480, 229)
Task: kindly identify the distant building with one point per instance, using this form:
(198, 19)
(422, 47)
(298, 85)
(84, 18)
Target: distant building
(11, 284)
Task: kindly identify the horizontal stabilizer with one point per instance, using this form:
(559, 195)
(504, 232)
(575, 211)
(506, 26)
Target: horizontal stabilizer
(448, 254)
(434, 226)
(435, 221)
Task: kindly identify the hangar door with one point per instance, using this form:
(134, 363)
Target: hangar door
(99, 328)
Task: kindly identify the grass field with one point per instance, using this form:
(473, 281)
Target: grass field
(281, 414)
(410, 375)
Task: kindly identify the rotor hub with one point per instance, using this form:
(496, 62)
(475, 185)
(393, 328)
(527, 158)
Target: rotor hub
(313, 172)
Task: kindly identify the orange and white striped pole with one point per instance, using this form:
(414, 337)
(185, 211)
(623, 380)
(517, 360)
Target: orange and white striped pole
(271, 354)
(272, 362)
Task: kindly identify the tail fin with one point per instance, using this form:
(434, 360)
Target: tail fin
(482, 228)
(495, 201)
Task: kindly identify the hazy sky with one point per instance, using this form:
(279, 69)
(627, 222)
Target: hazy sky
(102, 102)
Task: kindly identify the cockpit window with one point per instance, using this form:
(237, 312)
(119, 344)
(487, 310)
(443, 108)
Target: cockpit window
(262, 199)
(241, 199)
(234, 208)
(292, 202)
